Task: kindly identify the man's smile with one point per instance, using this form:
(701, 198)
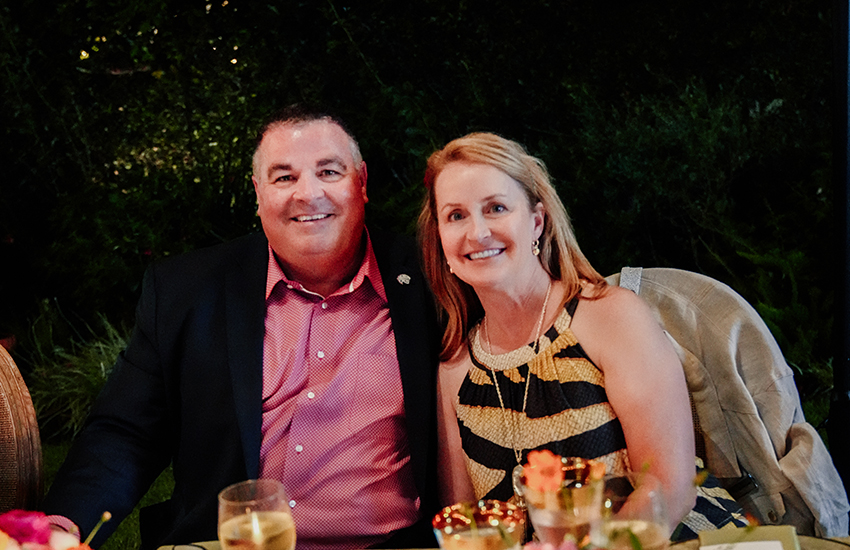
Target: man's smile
(311, 218)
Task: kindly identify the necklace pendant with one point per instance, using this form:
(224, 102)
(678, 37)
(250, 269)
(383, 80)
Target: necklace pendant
(516, 479)
(519, 497)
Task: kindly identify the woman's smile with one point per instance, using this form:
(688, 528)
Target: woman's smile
(489, 253)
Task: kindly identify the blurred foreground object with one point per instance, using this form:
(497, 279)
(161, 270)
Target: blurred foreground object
(21, 478)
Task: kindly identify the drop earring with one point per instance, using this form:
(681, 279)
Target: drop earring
(452, 271)
(535, 247)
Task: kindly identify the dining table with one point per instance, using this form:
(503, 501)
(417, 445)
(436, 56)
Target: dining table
(806, 543)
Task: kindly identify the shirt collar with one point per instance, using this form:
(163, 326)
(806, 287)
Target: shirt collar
(368, 271)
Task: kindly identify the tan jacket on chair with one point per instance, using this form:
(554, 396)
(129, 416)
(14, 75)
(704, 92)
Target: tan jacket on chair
(746, 402)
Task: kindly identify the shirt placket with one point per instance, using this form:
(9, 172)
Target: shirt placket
(317, 354)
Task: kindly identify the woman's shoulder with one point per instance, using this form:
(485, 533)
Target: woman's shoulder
(452, 372)
(459, 361)
(617, 328)
(607, 301)
(612, 314)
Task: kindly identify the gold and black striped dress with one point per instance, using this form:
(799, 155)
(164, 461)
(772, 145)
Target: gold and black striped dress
(567, 412)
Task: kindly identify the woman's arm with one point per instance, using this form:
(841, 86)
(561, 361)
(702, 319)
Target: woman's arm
(455, 484)
(646, 387)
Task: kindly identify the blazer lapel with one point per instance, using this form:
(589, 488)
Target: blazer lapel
(415, 328)
(245, 307)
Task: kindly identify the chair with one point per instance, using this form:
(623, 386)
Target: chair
(749, 424)
(21, 478)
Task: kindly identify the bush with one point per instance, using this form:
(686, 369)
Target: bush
(67, 369)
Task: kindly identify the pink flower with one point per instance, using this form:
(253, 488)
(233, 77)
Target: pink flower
(26, 526)
(543, 472)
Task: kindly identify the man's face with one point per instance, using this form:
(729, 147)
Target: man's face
(311, 194)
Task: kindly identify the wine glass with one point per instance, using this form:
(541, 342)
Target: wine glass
(485, 525)
(572, 511)
(634, 514)
(255, 515)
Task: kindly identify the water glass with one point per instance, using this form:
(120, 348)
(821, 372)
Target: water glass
(573, 511)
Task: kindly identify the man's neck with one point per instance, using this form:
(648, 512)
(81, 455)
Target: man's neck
(324, 276)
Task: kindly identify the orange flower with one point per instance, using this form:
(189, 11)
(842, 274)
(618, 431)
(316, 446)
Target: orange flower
(543, 471)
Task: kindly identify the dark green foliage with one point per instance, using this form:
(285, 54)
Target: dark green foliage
(679, 134)
(67, 369)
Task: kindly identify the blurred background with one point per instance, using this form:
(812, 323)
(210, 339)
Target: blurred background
(679, 134)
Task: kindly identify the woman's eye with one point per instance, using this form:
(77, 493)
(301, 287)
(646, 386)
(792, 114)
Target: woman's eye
(455, 216)
(498, 208)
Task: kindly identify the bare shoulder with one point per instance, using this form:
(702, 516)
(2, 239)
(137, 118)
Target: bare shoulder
(615, 323)
(610, 305)
(460, 361)
(453, 371)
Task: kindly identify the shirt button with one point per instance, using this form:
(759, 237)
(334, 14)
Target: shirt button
(324, 305)
(292, 504)
(321, 355)
(310, 395)
(289, 287)
(298, 448)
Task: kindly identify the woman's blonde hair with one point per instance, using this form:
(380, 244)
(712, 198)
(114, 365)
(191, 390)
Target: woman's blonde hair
(560, 254)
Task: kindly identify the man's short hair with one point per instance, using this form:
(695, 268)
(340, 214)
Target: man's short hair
(301, 113)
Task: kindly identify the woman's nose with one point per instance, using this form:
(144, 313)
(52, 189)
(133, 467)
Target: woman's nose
(480, 230)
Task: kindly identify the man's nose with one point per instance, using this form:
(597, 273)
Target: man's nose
(308, 187)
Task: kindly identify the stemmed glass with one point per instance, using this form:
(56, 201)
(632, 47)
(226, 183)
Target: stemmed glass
(485, 525)
(255, 515)
(634, 514)
(570, 511)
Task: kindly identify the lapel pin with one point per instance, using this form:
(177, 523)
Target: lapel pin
(403, 279)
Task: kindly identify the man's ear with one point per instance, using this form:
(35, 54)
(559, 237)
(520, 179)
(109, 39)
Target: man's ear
(362, 173)
(256, 187)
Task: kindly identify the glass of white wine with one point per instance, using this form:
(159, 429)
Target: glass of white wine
(634, 513)
(482, 525)
(255, 515)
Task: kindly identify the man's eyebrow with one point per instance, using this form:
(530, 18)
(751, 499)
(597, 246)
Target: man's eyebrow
(332, 160)
(279, 167)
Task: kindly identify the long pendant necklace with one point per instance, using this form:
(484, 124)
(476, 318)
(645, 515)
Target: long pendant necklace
(511, 427)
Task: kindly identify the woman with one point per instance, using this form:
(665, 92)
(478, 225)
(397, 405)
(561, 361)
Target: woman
(538, 352)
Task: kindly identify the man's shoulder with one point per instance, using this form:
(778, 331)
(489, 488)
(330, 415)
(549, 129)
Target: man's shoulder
(237, 250)
(389, 240)
(248, 253)
(393, 249)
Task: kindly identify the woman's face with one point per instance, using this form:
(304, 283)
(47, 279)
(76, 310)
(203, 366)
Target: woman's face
(486, 225)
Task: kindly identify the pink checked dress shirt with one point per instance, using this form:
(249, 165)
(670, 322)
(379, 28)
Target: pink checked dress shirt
(333, 411)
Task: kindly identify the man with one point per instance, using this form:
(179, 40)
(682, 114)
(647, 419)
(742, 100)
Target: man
(306, 353)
